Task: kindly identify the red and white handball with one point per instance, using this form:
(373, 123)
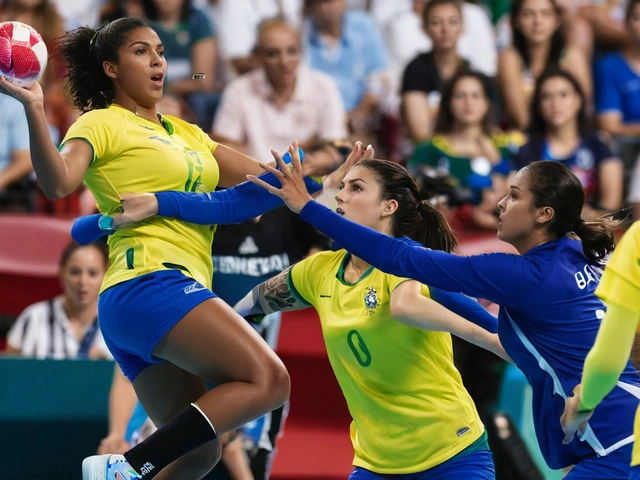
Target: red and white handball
(23, 54)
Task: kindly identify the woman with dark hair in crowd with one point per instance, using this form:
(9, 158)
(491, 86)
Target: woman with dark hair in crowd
(424, 77)
(560, 131)
(467, 147)
(549, 314)
(190, 46)
(538, 43)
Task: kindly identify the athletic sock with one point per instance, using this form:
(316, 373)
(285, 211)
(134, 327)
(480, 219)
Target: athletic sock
(186, 432)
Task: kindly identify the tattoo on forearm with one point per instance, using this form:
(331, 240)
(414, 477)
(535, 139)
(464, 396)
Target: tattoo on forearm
(275, 294)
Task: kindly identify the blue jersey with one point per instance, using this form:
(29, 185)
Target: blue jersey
(548, 321)
(617, 88)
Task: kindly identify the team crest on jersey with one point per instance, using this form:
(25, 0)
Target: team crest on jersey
(370, 299)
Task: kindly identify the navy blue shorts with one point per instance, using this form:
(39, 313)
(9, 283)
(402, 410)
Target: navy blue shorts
(614, 466)
(475, 466)
(135, 315)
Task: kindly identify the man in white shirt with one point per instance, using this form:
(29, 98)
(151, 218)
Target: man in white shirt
(282, 101)
(237, 23)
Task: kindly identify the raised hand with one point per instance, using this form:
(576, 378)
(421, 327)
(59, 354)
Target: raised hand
(135, 207)
(33, 94)
(572, 420)
(359, 153)
(293, 191)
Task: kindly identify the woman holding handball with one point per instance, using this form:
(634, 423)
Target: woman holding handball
(162, 323)
(549, 314)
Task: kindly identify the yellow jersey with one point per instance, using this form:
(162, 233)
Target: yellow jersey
(620, 285)
(131, 154)
(409, 407)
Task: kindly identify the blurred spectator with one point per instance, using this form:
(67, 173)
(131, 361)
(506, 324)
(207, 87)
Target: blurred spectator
(349, 47)
(407, 37)
(538, 43)
(607, 20)
(44, 17)
(84, 13)
(238, 21)
(466, 152)
(634, 190)
(559, 131)
(425, 76)
(115, 9)
(617, 83)
(66, 326)
(267, 107)
(190, 46)
(15, 161)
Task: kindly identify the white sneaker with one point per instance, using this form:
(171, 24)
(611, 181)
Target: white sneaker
(108, 467)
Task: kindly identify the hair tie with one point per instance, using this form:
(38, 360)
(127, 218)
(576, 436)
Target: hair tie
(93, 38)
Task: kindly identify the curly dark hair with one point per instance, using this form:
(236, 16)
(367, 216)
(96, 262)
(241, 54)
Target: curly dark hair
(83, 50)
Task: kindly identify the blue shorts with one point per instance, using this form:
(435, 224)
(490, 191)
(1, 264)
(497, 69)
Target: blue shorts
(614, 466)
(135, 315)
(475, 466)
(634, 473)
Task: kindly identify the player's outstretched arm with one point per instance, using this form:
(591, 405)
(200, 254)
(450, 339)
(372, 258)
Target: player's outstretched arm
(274, 295)
(410, 307)
(233, 205)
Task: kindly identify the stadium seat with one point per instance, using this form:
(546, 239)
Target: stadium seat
(30, 248)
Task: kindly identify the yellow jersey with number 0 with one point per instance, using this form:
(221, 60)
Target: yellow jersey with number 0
(410, 409)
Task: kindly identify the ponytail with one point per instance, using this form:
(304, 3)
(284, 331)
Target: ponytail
(414, 218)
(84, 50)
(432, 229)
(597, 235)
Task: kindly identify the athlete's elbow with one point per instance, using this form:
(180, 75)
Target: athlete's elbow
(55, 191)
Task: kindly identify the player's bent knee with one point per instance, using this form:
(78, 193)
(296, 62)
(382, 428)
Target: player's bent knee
(278, 384)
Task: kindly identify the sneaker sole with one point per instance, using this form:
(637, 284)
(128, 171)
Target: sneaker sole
(95, 467)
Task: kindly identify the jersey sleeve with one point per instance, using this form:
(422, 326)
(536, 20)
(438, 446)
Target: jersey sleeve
(303, 280)
(608, 97)
(413, 78)
(19, 330)
(620, 283)
(502, 278)
(395, 281)
(104, 137)
(200, 25)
